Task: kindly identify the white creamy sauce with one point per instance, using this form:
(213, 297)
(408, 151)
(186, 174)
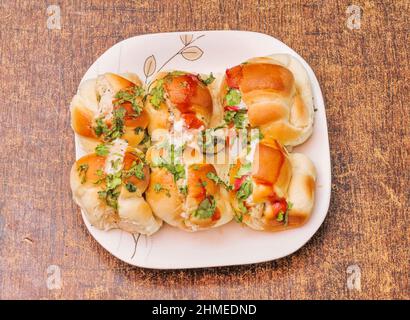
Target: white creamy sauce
(177, 133)
(242, 105)
(251, 154)
(193, 227)
(182, 183)
(190, 140)
(185, 179)
(249, 201)
(171, 117)
(178, 126)
(106, 92)
(105, 106)
(115, 158)
(257, 210)
(183, 136)
(184, 215)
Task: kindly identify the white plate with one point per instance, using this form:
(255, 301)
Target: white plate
(232, 244)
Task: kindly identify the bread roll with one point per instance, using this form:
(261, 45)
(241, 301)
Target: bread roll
(266, 188)
(109, 107)
(178, 100)
(109, 187)
(270, 93)
(273, 190)
(185, 192)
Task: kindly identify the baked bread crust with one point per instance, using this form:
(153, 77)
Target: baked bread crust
(277, 94)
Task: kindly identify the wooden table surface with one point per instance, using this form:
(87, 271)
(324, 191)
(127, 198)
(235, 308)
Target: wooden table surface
(361, 250)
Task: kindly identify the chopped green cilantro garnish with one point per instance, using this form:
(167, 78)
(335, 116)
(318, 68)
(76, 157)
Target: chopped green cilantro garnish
(157, 94)
(146, 141)
(102, 150)
(130, 95)
(242, 207)
(238, 217)
(176, 169)
(284, 216)
(206, 208)
(137, 130)
(100, 174)
(243, 193)
(82, 172)
(183, 190)
(175, 74)
(100, 127)
(290, 206)
(110, 193)
(240, 119)
(208, 80)
(256, 134)
(116, 163)
(228, 116)
(212, 176)
(233, 97)
(117, 128)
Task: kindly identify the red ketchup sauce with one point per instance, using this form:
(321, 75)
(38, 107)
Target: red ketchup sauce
(234, 77)
(181, 89)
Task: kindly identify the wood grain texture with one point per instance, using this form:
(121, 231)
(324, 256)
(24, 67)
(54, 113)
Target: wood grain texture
(364, 75)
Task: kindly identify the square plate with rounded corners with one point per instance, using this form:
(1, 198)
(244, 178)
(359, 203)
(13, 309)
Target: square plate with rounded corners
(231, 244)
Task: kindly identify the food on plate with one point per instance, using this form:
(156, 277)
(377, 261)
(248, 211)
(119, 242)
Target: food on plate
(178, 100)
(163, 151)
(185, 192)
(109, 107)
(272, 190)
(109, 186)
(270, 93)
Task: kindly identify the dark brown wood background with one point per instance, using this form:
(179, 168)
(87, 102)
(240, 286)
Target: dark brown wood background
(364, 76)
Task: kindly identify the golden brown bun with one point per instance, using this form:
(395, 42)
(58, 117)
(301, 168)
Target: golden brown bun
(277, 93)
(271, 165)
(177, 208)
(133, 213)
(185, 98)
(94, 98)
(278, 179)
